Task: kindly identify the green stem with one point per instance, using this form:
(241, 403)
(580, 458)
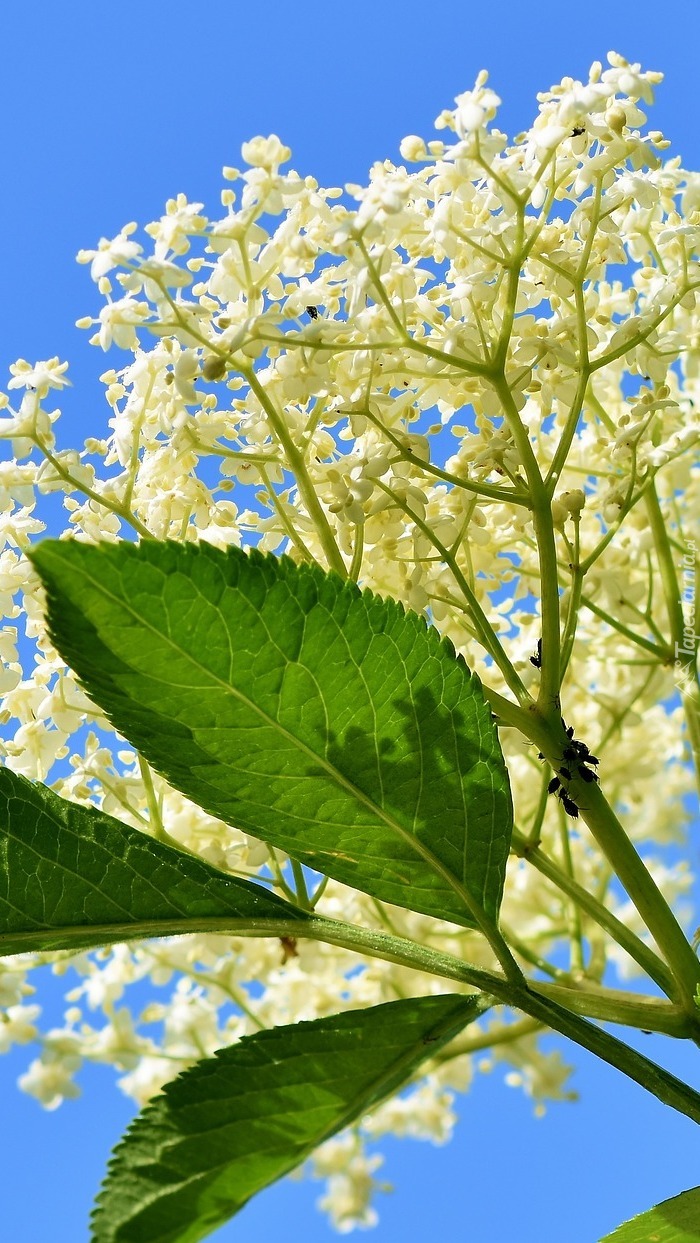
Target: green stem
(356, 563)
(538, 1001)
(508, 712)
(562, 451)
(647, 644)
(614, 1006)
(319, 891)
(488, 491)
(278, 876)
(641, 887)
(531, 956)
(505, 1033)
(302, 893)
(486, 634)
(541, 507)
(532, 1001)
(574, 918)
(276, 502)
(298, 467)
(657, 524)
(689, 689)
(155, 819)
(574, 603)
(646, 1073)
(239, 998)
(121, 511)
(621, 854)
(645, 957)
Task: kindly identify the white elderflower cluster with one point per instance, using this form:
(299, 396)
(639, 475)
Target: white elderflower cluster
(371, 379)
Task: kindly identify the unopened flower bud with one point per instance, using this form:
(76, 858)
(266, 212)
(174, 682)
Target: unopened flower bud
(559, 513)
(616, 118)
(412, 148)
(573, 501)
(213, 368)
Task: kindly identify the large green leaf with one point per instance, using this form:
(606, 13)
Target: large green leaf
(324, 720)
(236, 1122)
(72, 877)
(674, 1221)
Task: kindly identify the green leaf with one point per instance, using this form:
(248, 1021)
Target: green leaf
(72, 877)
(324, 720)
(673, 1221)
(235, 1123)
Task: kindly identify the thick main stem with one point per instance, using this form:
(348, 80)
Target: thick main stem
(630, 868)
(643, 890)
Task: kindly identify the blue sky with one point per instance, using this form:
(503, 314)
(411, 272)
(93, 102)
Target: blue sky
(108, 110)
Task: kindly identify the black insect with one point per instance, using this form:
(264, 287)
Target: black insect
(579, 753)
(570, 807)
(555, 784)
(537, 659)
(576, 758)
(586, 774)
(312, 312)
(555, 787)
(579, 756)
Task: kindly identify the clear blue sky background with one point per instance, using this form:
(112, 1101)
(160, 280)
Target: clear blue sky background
(107, 110)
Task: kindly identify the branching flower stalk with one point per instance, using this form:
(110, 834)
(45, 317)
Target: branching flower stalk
(471, 386)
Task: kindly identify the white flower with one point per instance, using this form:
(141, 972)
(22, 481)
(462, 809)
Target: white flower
(475, 108)
(173, 231)
(17, 1026)
(425, 1113)
(350, 1185)
(118, 323)
(148, 1078)
(266, 153)
(49, 1080)
(116, 252)
(382, 352)
(40, 377)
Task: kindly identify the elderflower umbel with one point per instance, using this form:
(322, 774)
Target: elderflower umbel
(363, 379)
